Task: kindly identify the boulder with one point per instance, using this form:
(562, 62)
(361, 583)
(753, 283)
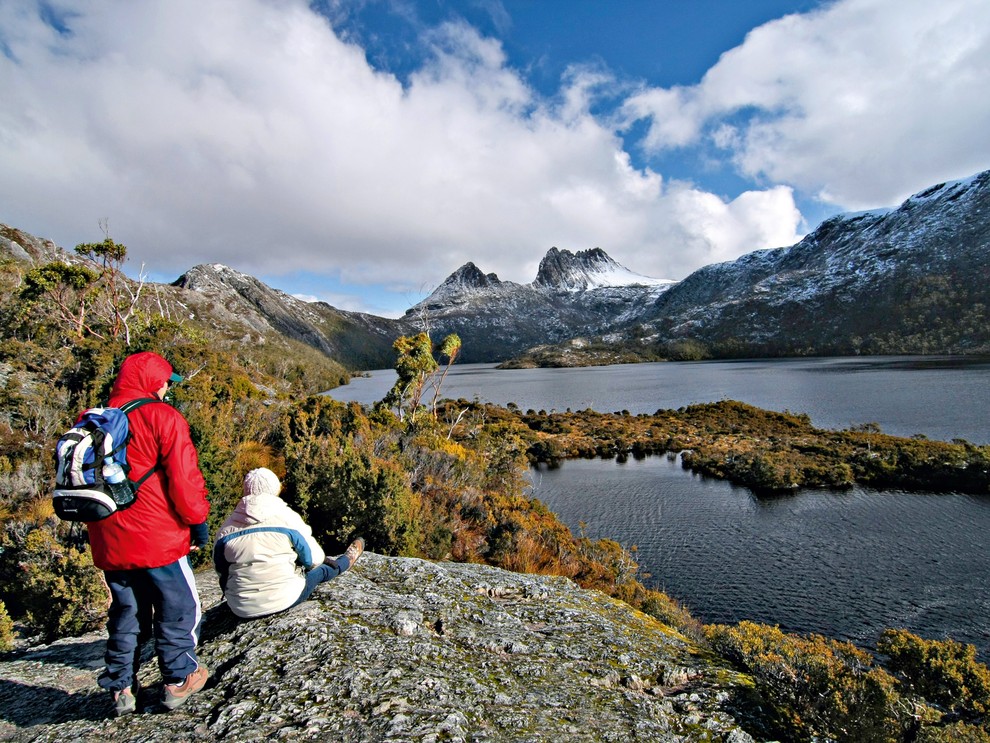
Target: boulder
(400, 649)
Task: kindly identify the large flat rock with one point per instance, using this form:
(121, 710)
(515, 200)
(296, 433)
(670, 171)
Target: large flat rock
(400, 649)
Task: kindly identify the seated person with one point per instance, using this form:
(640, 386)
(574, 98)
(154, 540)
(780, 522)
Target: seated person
(265, 553)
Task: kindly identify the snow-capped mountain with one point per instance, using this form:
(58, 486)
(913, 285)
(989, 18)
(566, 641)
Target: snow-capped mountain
(915, 279)
(561, 270)
(573, 294)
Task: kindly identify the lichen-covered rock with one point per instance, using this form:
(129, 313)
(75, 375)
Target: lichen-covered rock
(401, 649)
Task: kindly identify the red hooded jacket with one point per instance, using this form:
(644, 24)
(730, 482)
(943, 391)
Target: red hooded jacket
(155, 530)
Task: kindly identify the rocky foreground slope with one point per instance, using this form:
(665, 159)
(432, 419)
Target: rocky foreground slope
(402, 650)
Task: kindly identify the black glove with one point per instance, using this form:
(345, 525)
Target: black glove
(199, 535)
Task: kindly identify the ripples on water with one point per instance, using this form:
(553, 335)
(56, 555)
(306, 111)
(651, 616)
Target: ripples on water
(845, 564)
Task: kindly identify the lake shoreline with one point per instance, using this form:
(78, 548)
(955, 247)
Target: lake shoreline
(762, 450)
(941, 398)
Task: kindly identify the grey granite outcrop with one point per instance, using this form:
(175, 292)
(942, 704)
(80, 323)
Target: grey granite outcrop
(401, 649)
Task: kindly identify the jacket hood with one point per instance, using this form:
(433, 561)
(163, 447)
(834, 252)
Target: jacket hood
(252, 509)
(141, 375)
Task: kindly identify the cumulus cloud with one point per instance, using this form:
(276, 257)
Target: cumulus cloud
(861, 102)
(249, 132)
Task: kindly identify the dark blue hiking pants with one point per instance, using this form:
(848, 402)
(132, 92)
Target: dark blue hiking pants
(321, 574)
(162, 602)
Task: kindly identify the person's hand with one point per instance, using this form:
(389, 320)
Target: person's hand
(199, 535)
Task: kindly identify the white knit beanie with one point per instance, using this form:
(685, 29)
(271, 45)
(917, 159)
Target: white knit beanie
(261, 481)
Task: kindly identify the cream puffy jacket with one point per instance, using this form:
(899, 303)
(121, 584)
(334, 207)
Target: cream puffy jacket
(261, 554)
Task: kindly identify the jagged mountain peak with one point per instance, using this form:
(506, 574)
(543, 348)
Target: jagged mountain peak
(206, 275)
(586, 269)
(466, 284)
(469, 276)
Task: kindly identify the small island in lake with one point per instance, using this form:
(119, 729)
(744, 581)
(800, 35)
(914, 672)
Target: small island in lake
(761, 449)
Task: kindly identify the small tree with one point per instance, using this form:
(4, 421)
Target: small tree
(96, 303)
(449, 349)
(118, 301)
(417, 367)
(65, 287)
(414, 363)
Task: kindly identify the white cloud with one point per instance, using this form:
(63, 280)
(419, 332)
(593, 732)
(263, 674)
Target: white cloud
(247, 132)
(713, 230)
(862, 102)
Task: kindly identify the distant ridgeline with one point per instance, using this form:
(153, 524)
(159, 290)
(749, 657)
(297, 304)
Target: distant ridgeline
(915, 279)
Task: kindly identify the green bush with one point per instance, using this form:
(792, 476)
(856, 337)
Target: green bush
(814, 687)
(958, 732)
(664, 609)
(944, 672)
(6, 629)
(61, 592)
(339, 479)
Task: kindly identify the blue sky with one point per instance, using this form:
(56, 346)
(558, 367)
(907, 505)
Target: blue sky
(359, 151)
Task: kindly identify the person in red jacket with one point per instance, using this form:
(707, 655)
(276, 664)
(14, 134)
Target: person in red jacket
(144, 549)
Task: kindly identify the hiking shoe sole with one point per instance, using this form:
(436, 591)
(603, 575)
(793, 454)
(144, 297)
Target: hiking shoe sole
(124, 703)
(355, 550)
(176, 694)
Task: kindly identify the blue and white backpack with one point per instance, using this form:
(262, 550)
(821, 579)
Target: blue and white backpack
(91, 466)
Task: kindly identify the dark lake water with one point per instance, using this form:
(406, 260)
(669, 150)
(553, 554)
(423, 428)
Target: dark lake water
(939, 397)
(845, 564)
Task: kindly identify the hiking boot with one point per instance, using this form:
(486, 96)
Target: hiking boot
(355, 551)
(177, 694)
(124, 702)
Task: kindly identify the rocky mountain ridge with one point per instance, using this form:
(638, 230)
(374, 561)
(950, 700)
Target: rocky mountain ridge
(401, 649)
(915, 279)
(572, 294)
(242, 308)
(231, 298)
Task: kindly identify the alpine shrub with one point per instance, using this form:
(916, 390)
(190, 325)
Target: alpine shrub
(62, 593)
(6, 629)
(944, 672)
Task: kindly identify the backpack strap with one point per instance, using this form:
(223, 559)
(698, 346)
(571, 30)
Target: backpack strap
(130, 405)
(127, 407)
